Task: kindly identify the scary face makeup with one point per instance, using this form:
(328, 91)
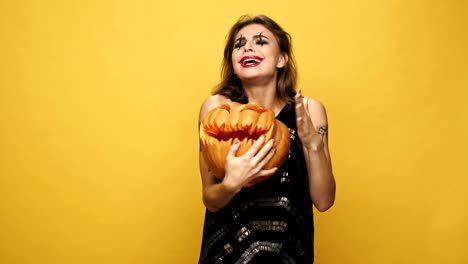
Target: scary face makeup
(256, 53)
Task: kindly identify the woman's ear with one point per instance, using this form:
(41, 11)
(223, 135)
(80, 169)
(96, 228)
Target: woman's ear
(283, 60)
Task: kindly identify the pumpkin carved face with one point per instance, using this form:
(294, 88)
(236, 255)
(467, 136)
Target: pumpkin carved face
(245, 122)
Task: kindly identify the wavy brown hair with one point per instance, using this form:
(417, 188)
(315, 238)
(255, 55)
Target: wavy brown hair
(231, 86)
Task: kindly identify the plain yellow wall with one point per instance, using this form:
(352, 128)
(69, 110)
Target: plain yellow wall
(98, 136)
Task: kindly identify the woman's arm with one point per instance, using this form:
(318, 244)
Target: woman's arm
(313, 131)
(239, 170)
(215, 194)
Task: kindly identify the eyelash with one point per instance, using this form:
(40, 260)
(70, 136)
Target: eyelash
(261, 42)
(240, 44)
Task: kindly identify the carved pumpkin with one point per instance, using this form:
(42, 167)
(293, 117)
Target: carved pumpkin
(245, 122)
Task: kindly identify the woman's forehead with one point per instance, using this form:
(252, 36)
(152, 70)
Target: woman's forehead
(253, 30)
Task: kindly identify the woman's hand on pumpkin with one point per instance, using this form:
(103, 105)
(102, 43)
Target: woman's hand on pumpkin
(243, 169)
(305, 127)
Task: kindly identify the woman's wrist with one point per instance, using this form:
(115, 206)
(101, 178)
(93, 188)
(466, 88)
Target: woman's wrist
(229, 187)
(315, 144)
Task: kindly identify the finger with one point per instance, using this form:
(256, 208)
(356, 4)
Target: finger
(298, 97)
(265, 150)
(309, 123)
(258, 177)
(233, 149)
(299, 104)
(263, 160)
(253, 150)
(300, 116)
(306, 104)
(266, 173)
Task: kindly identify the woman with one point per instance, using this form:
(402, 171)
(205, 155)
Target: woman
(270, 222)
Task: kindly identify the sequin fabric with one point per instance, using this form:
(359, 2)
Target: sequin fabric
(270, 222)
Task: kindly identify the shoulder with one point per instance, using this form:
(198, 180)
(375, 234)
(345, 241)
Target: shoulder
(316, 110)
(313, 103)
(211, 103)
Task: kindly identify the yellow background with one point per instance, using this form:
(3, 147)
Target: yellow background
(98, 138)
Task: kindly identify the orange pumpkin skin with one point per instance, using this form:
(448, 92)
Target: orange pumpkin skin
(245, 122)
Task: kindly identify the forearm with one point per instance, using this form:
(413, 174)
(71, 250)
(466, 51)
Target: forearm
(217, 196)
(321, 179)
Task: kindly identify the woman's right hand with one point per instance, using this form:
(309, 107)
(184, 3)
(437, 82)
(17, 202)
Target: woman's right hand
(243, 169)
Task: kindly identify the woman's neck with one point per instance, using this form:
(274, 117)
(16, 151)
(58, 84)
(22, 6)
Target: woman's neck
(265, 95)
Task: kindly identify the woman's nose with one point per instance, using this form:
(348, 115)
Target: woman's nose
(248, 47)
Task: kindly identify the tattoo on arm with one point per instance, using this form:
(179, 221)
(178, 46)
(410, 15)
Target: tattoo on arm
(322, 131)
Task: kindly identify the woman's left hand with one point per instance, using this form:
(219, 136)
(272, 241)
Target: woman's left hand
(305, 127)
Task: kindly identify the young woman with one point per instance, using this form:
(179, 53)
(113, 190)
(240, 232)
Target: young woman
(270, 222)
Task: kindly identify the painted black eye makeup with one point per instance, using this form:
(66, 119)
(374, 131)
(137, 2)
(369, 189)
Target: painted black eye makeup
(260, 40)
(240, 42)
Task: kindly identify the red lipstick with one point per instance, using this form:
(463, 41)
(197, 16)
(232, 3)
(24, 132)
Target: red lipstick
(250, 61)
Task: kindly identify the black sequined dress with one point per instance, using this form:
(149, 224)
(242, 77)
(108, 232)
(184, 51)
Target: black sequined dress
(270, 222)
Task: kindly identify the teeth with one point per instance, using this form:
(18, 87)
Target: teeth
(250, 61)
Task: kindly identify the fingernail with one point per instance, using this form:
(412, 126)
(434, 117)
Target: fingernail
(237, 141)
(273, 141)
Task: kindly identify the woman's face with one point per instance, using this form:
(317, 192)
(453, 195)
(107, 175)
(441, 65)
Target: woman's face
(256, 54)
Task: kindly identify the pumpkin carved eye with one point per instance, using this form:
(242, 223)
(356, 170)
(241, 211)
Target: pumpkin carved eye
(245, 122)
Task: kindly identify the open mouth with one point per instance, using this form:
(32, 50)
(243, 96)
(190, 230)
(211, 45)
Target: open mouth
(250, 61)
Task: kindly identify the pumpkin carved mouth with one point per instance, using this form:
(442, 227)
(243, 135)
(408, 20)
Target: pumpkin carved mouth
(246, 123)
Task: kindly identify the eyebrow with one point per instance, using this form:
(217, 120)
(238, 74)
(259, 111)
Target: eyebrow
(254, 37)
(240, 39)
